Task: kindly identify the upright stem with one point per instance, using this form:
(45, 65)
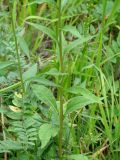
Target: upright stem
(60, 35)
(62, 70)
(17, 53)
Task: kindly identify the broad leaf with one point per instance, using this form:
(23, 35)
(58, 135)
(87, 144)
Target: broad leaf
(77, 103)
(46, 132)
(84, 92)
(23, 45)
(44, 95)
(45, 82)
(31, 72)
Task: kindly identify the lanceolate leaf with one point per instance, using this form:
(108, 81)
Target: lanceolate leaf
(44, 29)
(6, 64)
(44, 95)
(76, 43)
(77, 103)
(73, 30)
(78, 157)
(84, 92)
(45, 82)
(23, 46)
(42, 1)
(16, 85)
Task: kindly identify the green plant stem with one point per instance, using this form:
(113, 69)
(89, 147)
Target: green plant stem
(17, 53)
(60, 36)
(62, 70)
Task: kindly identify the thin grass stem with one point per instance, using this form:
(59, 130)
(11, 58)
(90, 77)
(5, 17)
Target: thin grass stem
(17, 53)
(62, 70)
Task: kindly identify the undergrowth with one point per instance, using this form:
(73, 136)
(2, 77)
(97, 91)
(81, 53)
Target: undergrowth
(59, 80)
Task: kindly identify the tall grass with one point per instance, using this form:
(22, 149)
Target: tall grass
(61, 81)
(12, 12)
(66, 57)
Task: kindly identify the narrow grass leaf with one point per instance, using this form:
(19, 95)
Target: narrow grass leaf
(42, 1)
(5, 64)
(44, 29)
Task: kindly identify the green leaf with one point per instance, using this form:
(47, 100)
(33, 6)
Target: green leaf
(64, 2)
(45, 82)
(44, 29)
(31, 72)
(5, 64)
(55, 72)
(23, 156)
(46, 132)
(77, 103)
(84, 92)
(76, 43)
(114, 9)
(13, 115)
(16, 85)
(42, 1)
(10, 145)
(45, 95)
(3, 14)
(2, 110)
(78, 157)
(37, 18)
(23, 45)
(72, 30)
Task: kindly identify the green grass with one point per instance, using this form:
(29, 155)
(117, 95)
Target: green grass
(59, 80)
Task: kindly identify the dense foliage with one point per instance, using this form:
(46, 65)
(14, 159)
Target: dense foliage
(59, 79)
